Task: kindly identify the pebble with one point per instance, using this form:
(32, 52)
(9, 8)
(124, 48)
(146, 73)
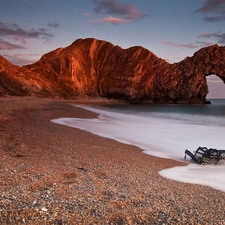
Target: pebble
(44, 209)
(121, 185)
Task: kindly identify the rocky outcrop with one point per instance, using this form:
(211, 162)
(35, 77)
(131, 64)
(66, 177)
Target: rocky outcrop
(90, 67)
(10, 83)
(191, 73)
(98, 68)
(19, 81)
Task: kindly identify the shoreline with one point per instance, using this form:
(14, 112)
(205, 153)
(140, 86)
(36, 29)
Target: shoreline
(62, 175)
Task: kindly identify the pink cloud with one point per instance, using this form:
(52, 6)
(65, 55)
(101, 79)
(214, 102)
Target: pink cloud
(206, 35)
(219, 36)
(197, 45)
(111, 7)
(5, 45)
(87, 14)
(179, 45)
(18, 38)
(111, 20)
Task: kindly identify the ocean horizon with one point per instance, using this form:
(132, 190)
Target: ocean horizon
(166, 131)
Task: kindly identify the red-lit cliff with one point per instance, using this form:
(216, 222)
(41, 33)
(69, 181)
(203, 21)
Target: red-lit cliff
(90, 67)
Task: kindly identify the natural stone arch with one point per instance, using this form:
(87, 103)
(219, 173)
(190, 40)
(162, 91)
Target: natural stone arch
(133, 75)
(191, 73)
(97, 68)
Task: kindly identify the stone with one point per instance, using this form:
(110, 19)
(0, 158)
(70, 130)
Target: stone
(96, 68)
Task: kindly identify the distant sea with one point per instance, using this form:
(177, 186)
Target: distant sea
(163, 131)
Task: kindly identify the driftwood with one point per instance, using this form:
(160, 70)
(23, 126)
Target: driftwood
(204, 155)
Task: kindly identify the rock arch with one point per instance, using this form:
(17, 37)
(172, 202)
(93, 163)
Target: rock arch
(191, 73)
(98, 68)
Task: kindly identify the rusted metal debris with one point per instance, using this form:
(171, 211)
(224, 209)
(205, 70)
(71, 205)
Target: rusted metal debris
(205, 155)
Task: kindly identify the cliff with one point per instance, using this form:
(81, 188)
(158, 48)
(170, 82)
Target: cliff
(90, 67)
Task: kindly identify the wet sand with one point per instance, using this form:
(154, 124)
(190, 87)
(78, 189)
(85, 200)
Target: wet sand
(54, 174)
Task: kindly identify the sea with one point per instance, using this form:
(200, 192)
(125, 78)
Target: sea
(164, 131)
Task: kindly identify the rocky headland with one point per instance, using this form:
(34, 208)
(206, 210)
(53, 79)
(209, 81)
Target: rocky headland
(95, 68)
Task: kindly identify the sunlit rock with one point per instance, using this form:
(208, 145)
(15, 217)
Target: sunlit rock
(90, 67)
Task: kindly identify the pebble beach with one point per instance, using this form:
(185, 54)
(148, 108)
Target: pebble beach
(54, 174)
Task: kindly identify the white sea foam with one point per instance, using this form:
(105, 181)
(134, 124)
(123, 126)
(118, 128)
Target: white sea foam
(164, 135)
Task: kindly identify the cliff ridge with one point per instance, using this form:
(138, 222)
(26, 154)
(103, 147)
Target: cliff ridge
(90, 67)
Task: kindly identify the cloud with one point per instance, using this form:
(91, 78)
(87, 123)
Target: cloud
(191, 46)
(204, 43)
(87, 14)
(21, 59)
(219, 36)
(205, 35)
(14, 30)
(180, 45)
(111, 7)
(214, 18)
(111, 20)
(199, 44)
(214, 8)
(53, 25)
(5, 45)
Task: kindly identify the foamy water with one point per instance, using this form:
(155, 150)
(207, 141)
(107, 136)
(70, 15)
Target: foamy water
(163, 131)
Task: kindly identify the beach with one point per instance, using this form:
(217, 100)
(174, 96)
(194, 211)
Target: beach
(55, 174)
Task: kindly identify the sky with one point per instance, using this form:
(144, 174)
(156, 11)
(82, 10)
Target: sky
(171, 29)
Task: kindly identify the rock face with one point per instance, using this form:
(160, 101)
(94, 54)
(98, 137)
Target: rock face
(19, 81)
(8, 82)
(91, 67)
